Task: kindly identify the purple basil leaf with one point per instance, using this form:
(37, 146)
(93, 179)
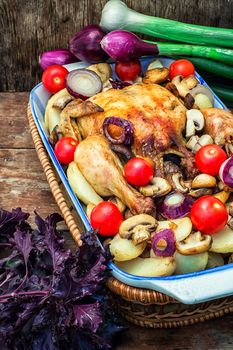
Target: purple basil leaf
(16, 215)
(44, 340)
(23, 243)
(88, 316)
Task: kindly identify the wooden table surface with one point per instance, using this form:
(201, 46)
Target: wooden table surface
(22, 183)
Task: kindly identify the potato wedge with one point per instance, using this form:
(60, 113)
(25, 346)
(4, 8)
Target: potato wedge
(182, 227)
(223, 241)
(80, 186)
(123, 249)
(190, 263)
(214, 260)
(52, 115)
(103, 70)
(149, 267)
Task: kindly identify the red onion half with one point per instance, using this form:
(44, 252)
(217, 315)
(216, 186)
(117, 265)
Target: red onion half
(176, 205)
(226, 172)
(116, 84)
(126, 136)
(83, 83)
(163, 243)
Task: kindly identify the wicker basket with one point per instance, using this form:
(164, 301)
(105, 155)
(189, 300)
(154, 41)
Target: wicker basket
(143, 307)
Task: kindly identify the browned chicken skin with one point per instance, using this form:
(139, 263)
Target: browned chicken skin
(157, 115)
(219, 125)
(103, 170)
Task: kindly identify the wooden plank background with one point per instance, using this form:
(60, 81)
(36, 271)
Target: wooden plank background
(29, 27)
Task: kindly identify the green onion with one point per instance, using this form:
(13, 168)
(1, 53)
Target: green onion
(116, 15)
(223, 92)
(210, 66)
(215, 53)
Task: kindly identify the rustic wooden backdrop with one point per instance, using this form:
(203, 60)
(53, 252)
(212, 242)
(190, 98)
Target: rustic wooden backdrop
(29, 27)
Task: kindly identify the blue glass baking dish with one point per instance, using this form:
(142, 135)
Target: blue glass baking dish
(190, 288)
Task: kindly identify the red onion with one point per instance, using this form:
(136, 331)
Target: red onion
(86, 44)
(116, 84)
(176, 205)
(60, 56)
(83, 83)
(226, 172)
(122, 45)
(126, 137)
(164, 236)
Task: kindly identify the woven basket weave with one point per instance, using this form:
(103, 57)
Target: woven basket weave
(143, 307)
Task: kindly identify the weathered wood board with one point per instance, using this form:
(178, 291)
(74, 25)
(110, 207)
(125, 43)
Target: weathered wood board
(33, 26)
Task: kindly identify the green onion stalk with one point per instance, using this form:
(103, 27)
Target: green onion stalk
(116, 15)
(214, 53)
(217, 68)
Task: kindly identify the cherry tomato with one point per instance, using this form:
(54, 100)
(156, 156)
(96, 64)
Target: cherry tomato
(53, 78)
(106, 218)
(209, 215)
(65, 148)
(181, 67)
(138, 172)
(209, 159)
(128, 71)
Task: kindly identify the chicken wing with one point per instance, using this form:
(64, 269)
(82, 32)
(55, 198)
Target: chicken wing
(219, 125)
(103, 170)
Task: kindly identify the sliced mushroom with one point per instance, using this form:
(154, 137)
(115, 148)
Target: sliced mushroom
(189, 101)
(204, 181)
(176, 180)
(156, 76)
(223, 196)
(138, 228)
(195, 122)
(195, 243)
(184, 85)
(159, 187)
(172, 87)
(192, 142)
(120, 205)
(200, 192)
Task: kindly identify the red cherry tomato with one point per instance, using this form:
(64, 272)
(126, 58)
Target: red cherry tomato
(65, 148)
(128, 71)
(209, 215)
(138, 172)
(53, 78)
(209, 158)
(181, 67)
(106, 218)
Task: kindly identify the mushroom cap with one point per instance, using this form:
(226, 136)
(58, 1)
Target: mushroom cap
(195, 243)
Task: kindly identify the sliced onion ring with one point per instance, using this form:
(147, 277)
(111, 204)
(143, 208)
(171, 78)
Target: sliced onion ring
(176, 205)
(83, 83)
(126, 137)
(201, 89)
(163, 243)
(226, 172)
